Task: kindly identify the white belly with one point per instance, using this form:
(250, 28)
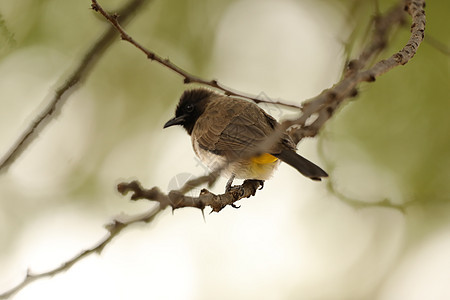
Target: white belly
(242, 169)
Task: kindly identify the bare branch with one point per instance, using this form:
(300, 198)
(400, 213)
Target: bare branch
(61, 94)
(188, 77)
(383, 24)
(177, 199)
(329, 100)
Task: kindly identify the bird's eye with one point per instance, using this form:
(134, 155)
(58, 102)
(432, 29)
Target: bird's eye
(189, 107)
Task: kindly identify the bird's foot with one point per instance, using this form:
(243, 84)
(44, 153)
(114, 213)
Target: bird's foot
(261, 183)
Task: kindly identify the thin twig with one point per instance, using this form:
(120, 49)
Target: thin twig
(188, 77)
(61, 94)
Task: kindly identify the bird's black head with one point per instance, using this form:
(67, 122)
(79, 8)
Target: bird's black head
(192, 104)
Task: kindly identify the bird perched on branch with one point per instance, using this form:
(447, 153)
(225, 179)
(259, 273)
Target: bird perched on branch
(228, 133)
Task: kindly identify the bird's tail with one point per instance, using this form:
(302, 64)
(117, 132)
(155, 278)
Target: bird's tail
(303, 165)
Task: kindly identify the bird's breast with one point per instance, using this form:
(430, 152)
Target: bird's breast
(259, 167)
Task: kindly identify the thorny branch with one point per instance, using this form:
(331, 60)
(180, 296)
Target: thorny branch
(321, 108)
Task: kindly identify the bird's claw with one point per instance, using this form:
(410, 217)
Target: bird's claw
(261, 183)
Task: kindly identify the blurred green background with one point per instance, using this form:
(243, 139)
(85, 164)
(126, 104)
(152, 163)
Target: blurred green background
(295, 239)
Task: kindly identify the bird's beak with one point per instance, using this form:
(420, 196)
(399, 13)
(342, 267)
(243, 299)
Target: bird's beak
(175, 121)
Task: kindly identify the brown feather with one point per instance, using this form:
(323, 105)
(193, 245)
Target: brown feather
(231, 127)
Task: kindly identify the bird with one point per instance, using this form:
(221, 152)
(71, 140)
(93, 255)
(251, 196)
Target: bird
(226, 133)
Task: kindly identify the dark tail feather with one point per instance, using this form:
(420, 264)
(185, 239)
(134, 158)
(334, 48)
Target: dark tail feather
(303, 165)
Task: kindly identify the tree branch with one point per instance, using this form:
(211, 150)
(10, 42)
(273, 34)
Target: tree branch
(325, 104)
(176, 199)
(61, 94)
(188, 77)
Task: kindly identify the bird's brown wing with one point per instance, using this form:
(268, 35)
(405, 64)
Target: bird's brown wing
(232, 127)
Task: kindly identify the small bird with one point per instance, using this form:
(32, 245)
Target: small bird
(226, 132)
